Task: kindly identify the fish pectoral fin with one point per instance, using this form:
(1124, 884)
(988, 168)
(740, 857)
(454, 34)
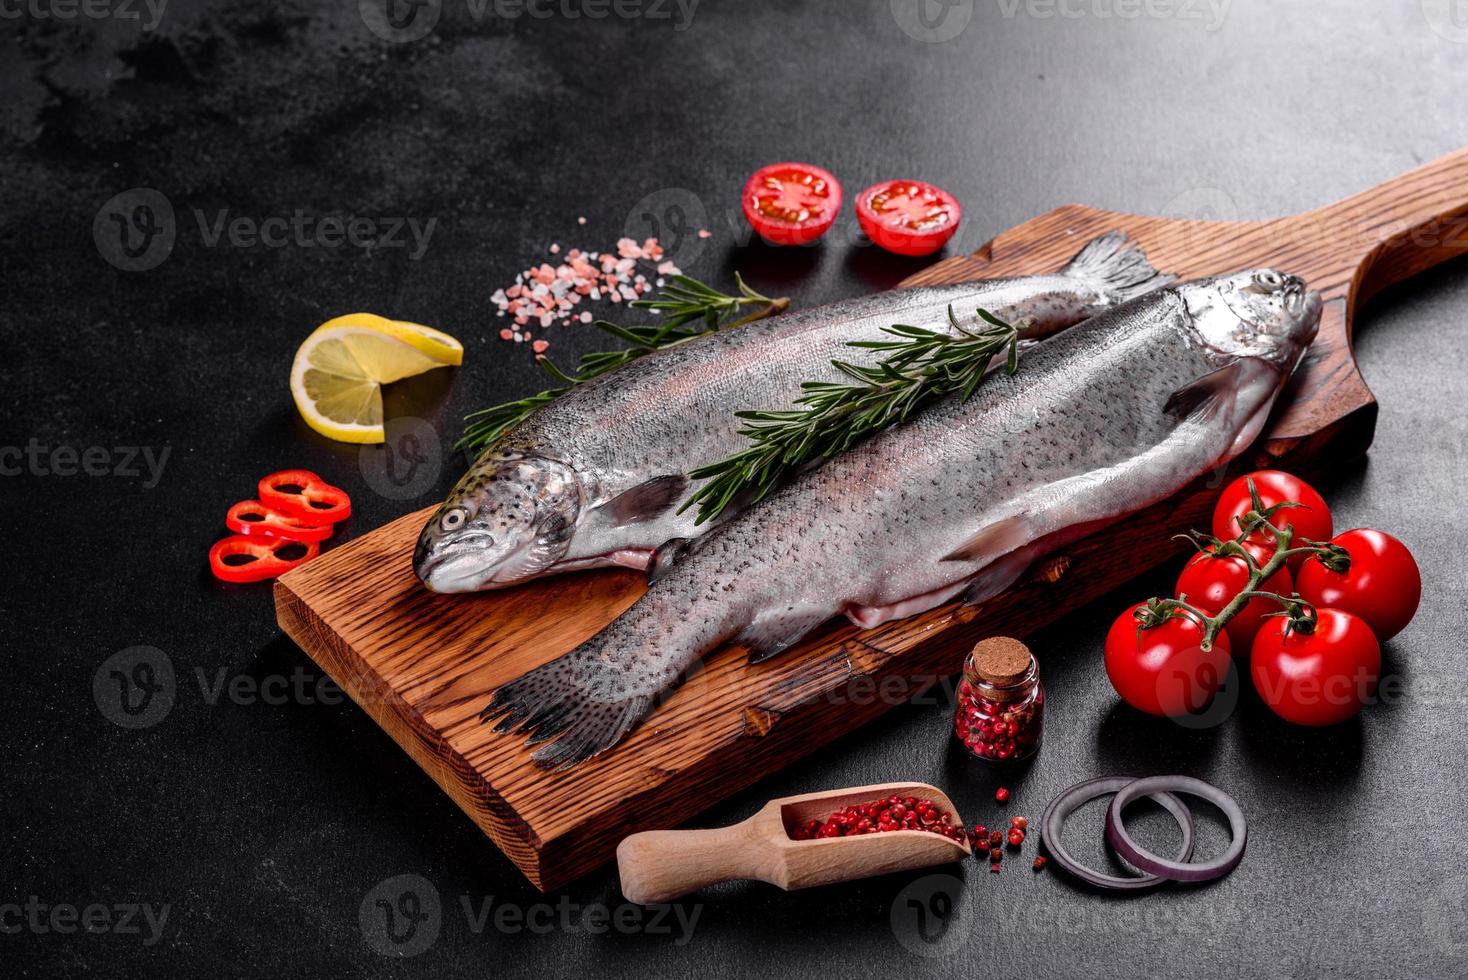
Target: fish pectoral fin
(644, 501)
(776, 632)
(999, 538)
(1205, 398)
(665, 557)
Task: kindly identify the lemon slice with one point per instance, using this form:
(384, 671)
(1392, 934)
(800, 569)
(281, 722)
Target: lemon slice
(340, 369)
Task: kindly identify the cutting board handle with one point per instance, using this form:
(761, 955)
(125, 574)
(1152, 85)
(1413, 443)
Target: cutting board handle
(661, 865)
(1397, 229)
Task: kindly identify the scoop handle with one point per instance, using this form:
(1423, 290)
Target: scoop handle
(661, 865)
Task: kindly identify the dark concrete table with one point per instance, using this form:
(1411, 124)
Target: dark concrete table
(263, 821)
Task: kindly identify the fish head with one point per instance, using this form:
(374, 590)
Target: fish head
(508, 520)
(1263, 313)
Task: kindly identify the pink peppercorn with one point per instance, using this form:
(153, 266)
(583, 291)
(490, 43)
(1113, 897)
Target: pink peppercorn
(1001, 701)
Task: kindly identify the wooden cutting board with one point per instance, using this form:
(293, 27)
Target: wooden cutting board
(423, 665)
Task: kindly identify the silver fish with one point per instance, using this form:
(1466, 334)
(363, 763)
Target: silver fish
(1099, 422)
(598, 476)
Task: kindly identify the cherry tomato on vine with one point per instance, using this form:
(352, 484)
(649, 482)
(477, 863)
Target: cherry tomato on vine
(1312, 520)
(1211, 582)
(908, 217)
(1164, 670)
(791, 203)
(1383, 585)
(1321, 677)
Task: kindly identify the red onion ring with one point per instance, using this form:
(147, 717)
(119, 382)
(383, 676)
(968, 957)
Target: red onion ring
(1081, 793)
(1177, 870)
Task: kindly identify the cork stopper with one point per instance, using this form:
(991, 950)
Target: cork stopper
(1000, 660)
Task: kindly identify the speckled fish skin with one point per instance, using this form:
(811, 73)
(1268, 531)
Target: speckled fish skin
(598, 476)
(1099, 422)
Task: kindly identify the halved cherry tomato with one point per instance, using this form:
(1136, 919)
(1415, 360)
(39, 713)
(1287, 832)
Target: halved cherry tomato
(1311, 520)
(258, 558)
(908, 217)
(791, 203)
(1383, 585)
(254, 518)
(1164, 670)
(1211, 582)
(306, 497)
(1317, 678)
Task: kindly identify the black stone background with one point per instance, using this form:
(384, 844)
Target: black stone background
(266, 827)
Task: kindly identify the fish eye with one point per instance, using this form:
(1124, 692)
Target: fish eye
(1269, 279)
(452, 518)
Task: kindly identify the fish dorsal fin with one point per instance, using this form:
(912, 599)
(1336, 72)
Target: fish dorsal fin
(644, 501)
(994, 540)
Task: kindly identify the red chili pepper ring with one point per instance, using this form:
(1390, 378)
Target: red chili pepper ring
(254, 518)
(306, 497)
(261, 554)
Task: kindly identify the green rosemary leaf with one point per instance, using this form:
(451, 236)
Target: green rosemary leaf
(832, 416)
(682, 301)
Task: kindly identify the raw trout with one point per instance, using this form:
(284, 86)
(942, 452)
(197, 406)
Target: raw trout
(1103, 420)
(598, 476)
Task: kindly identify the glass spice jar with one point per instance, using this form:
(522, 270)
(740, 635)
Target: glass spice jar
(1001, 702)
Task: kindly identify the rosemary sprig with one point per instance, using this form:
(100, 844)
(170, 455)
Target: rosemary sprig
(682, 302)
(920, 366)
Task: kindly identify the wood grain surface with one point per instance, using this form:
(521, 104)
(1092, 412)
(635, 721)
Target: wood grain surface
(423, 665)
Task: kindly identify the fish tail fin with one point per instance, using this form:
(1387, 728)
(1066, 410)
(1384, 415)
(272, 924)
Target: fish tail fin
(1118, 269)
(552, 703)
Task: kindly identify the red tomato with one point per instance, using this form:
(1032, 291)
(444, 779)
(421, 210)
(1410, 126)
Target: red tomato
(1210, 583)
(1383, 585)
(908, 217)
(1311, 521)
(1163, 670)
(1316, 678)
(791, 203)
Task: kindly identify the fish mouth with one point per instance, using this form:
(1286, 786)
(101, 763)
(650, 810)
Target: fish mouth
(454, 571)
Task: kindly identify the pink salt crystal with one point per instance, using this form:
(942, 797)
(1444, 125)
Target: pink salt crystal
(555, 248)
(704, 233)
(581, 220)
(545, 319)
(506, 334)
(667, 268)
(540, 346)
(628, 249)
(585, 317)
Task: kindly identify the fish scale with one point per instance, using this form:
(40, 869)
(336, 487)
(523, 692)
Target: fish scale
(1101, 421)
(627, 440)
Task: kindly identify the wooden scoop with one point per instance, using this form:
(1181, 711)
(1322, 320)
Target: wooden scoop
(661, 865)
